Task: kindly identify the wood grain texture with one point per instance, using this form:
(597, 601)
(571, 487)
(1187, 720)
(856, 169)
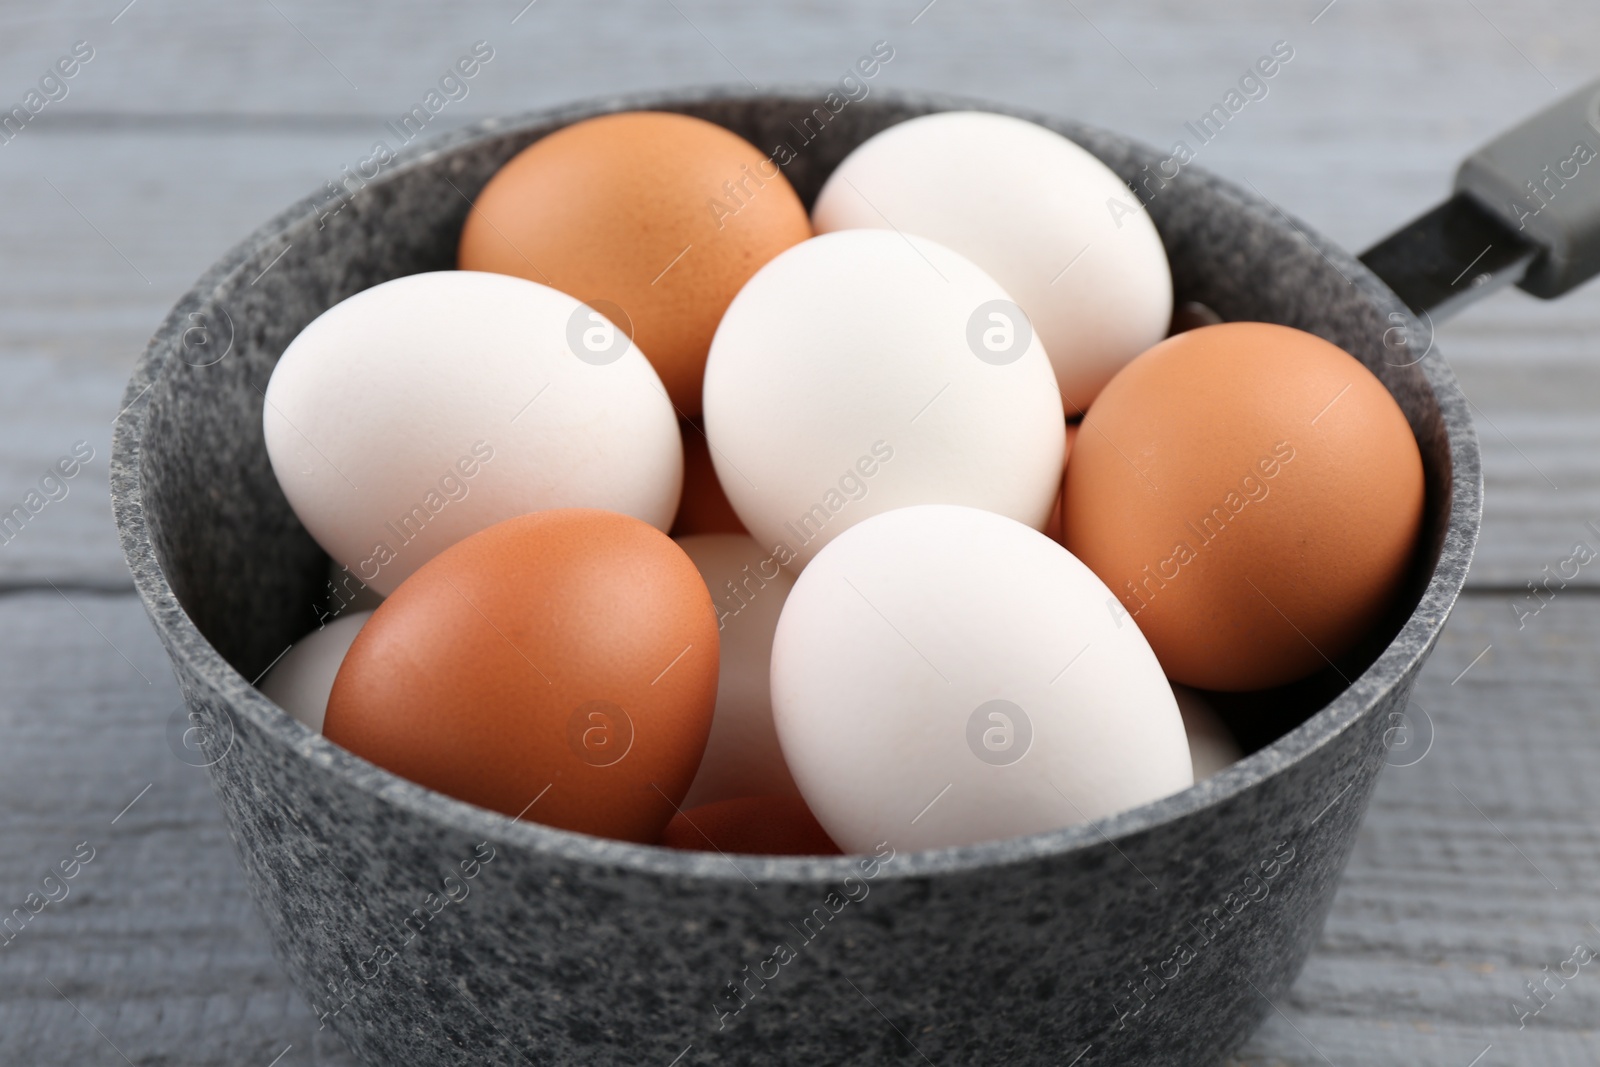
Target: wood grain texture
(197, 121)
(155, 941)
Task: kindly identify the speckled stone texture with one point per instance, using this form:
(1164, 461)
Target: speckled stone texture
(1159, 936)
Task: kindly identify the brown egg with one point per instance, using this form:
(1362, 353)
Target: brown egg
(1253, 495)
(704, 507)
(559, 666)
(760, 826)
(662, 216)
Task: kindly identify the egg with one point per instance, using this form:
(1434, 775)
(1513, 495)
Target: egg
(429, 407)
(1057, 228)
(853, 375)
(760, 826)
(943, 675)
(301, 680)
(560, 666)
(653, 218)
(748, 588)
(1253, 495)
(1212, 747)
(704, 508)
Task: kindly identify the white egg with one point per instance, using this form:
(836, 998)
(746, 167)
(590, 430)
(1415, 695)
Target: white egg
(748, 588)
(943, 675)
(1057, 228)
(424, 409)
(300, 682)
(1211, 745)
(850, 376)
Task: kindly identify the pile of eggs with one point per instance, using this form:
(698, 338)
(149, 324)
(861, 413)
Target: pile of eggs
(692, 519)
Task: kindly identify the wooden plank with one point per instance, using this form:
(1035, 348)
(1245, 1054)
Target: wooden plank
(93, 264)
(189, 56)
(155, 941)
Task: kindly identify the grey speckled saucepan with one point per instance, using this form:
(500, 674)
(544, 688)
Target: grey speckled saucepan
(427, 931)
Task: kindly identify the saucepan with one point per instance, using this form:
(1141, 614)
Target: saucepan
(428, 931)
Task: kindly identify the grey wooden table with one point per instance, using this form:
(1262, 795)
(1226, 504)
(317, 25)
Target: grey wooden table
(193, 122)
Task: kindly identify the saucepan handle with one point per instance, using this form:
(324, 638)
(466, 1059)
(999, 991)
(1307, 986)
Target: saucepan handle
(1525, 210)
